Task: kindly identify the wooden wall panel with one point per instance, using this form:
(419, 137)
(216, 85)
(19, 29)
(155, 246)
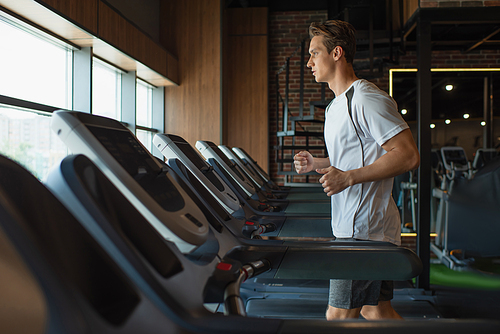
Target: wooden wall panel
(116, 30)
(247, 21)
(246, 106)
(168, 25)
(82, 12)
(246, 120)
(172, 68)
(193, 109)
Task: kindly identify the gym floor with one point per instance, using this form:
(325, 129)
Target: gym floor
(467, 294)
(460, 303)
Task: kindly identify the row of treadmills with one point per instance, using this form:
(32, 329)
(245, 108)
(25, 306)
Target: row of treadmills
(117, 241)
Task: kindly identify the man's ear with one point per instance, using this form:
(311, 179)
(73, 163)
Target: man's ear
(337, 53)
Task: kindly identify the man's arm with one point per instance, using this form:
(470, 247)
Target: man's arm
(402, 156)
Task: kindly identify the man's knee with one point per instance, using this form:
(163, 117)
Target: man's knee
(334, 313)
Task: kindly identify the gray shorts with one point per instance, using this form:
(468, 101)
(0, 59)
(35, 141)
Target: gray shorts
(349, 294)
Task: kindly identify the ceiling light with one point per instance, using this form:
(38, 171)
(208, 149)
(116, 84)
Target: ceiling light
(483, 123)
(404, 111)
(466, 116)
(448, 121)
(448, 87)
(432, 125)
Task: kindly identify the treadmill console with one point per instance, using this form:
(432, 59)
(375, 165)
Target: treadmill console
(249, 171)
(210, 150)
(136, 173)
(135, 159)
(172, 146)
(245, 156)
(454, 155)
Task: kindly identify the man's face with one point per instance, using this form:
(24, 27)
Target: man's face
(320, 62)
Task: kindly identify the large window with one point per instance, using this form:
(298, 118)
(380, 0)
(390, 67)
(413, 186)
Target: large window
(34, 68)
(106, 90)
(40, 73)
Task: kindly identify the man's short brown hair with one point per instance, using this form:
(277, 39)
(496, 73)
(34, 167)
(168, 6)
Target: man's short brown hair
(336, 33)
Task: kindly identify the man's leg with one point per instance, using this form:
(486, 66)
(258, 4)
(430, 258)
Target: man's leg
(372, 299)
(347, 297)
(381, 311)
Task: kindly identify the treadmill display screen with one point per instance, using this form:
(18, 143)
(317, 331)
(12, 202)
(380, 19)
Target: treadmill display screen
(139, 164)
(192, 155)
(219, 153)
(198, 161)
(225, 159)
(455, 156)
(213, 203)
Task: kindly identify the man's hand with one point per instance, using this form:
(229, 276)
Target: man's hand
(303, 162)
(333, 180)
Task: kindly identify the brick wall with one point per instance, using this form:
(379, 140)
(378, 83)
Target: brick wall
(287, 29)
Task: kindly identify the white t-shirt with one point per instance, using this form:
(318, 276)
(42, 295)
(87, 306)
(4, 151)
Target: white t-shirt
(364, 211)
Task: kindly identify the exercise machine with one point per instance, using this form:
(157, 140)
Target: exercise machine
(295, 224)
(467, 214)
(240, 178)
(305, 192)
(220, 243)
(110, 271)
(172, 146)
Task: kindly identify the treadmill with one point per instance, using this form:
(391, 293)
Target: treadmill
(259, 290)
(229, 171)
(253, 165)
(240, 179)
(60, 277)
(287, 260)
(250, 172)
(175, 146)
(310, 191)
(467, 214)
(286, 224)
(110, 272)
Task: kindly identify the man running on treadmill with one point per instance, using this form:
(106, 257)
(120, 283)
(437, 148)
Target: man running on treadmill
(368, 143)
